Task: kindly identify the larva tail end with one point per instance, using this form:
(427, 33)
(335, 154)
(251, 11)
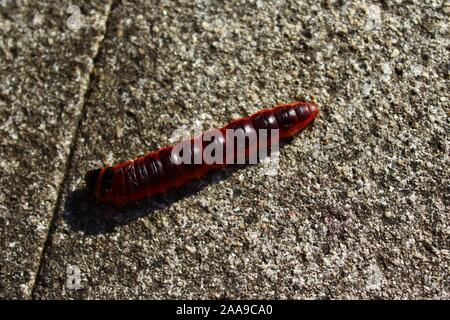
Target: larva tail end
(314, 109)
(91, 179)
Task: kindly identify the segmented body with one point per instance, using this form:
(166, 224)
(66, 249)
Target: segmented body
(157, 172)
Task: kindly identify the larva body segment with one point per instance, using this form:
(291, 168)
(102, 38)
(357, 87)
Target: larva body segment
(159, 171)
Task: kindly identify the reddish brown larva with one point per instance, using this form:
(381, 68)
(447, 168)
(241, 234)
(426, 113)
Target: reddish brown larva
(156, 172)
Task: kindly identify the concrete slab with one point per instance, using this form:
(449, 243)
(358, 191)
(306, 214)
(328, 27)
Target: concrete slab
(359, 208)
(44, 70)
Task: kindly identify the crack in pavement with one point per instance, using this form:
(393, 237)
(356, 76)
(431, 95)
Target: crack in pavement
(85, 89)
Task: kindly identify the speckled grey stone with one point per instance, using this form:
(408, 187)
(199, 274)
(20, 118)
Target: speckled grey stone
(360, 206)
(44, 72)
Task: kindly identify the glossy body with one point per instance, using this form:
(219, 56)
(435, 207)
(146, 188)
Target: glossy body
(157, 172)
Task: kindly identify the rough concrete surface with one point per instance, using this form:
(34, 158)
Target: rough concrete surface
(44, 74)
(359, 207)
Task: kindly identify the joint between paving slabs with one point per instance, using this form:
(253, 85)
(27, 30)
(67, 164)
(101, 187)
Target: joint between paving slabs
(84, 96)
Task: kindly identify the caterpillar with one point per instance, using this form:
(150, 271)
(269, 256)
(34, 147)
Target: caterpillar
(161, 170)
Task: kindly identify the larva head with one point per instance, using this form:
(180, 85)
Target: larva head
(99, 182)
